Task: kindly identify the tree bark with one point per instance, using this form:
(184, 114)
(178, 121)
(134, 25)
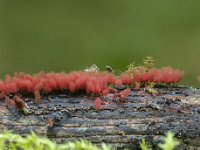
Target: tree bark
(122, 125)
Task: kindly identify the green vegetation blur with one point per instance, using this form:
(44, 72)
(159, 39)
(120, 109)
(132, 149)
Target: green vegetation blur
(66, 35)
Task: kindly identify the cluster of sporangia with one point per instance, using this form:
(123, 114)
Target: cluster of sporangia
(91, 81)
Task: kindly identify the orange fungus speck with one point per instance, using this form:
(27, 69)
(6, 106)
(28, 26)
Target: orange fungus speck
(98, 104)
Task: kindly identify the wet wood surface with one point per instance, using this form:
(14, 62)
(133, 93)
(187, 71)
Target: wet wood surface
(122, 125)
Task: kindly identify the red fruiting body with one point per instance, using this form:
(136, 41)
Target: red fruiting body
(126, 79)
(98, 104)
(137, 86)
(124, 94)
(37, 97)
(72, 87)
(90, 87)
(105, 92)
(19, 103)
(118, 83)
(91, 83)
(136, 76)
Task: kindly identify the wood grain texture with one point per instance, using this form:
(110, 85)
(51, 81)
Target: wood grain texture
(122, 125)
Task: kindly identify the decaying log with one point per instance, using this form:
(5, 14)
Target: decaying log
(122, 125)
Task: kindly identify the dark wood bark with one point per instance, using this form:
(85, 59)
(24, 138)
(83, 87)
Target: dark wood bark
(122, 125)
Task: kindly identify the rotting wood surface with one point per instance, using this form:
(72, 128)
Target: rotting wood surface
(122, 125)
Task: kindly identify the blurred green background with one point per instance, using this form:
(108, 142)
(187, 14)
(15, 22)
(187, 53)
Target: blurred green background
(67, 35)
